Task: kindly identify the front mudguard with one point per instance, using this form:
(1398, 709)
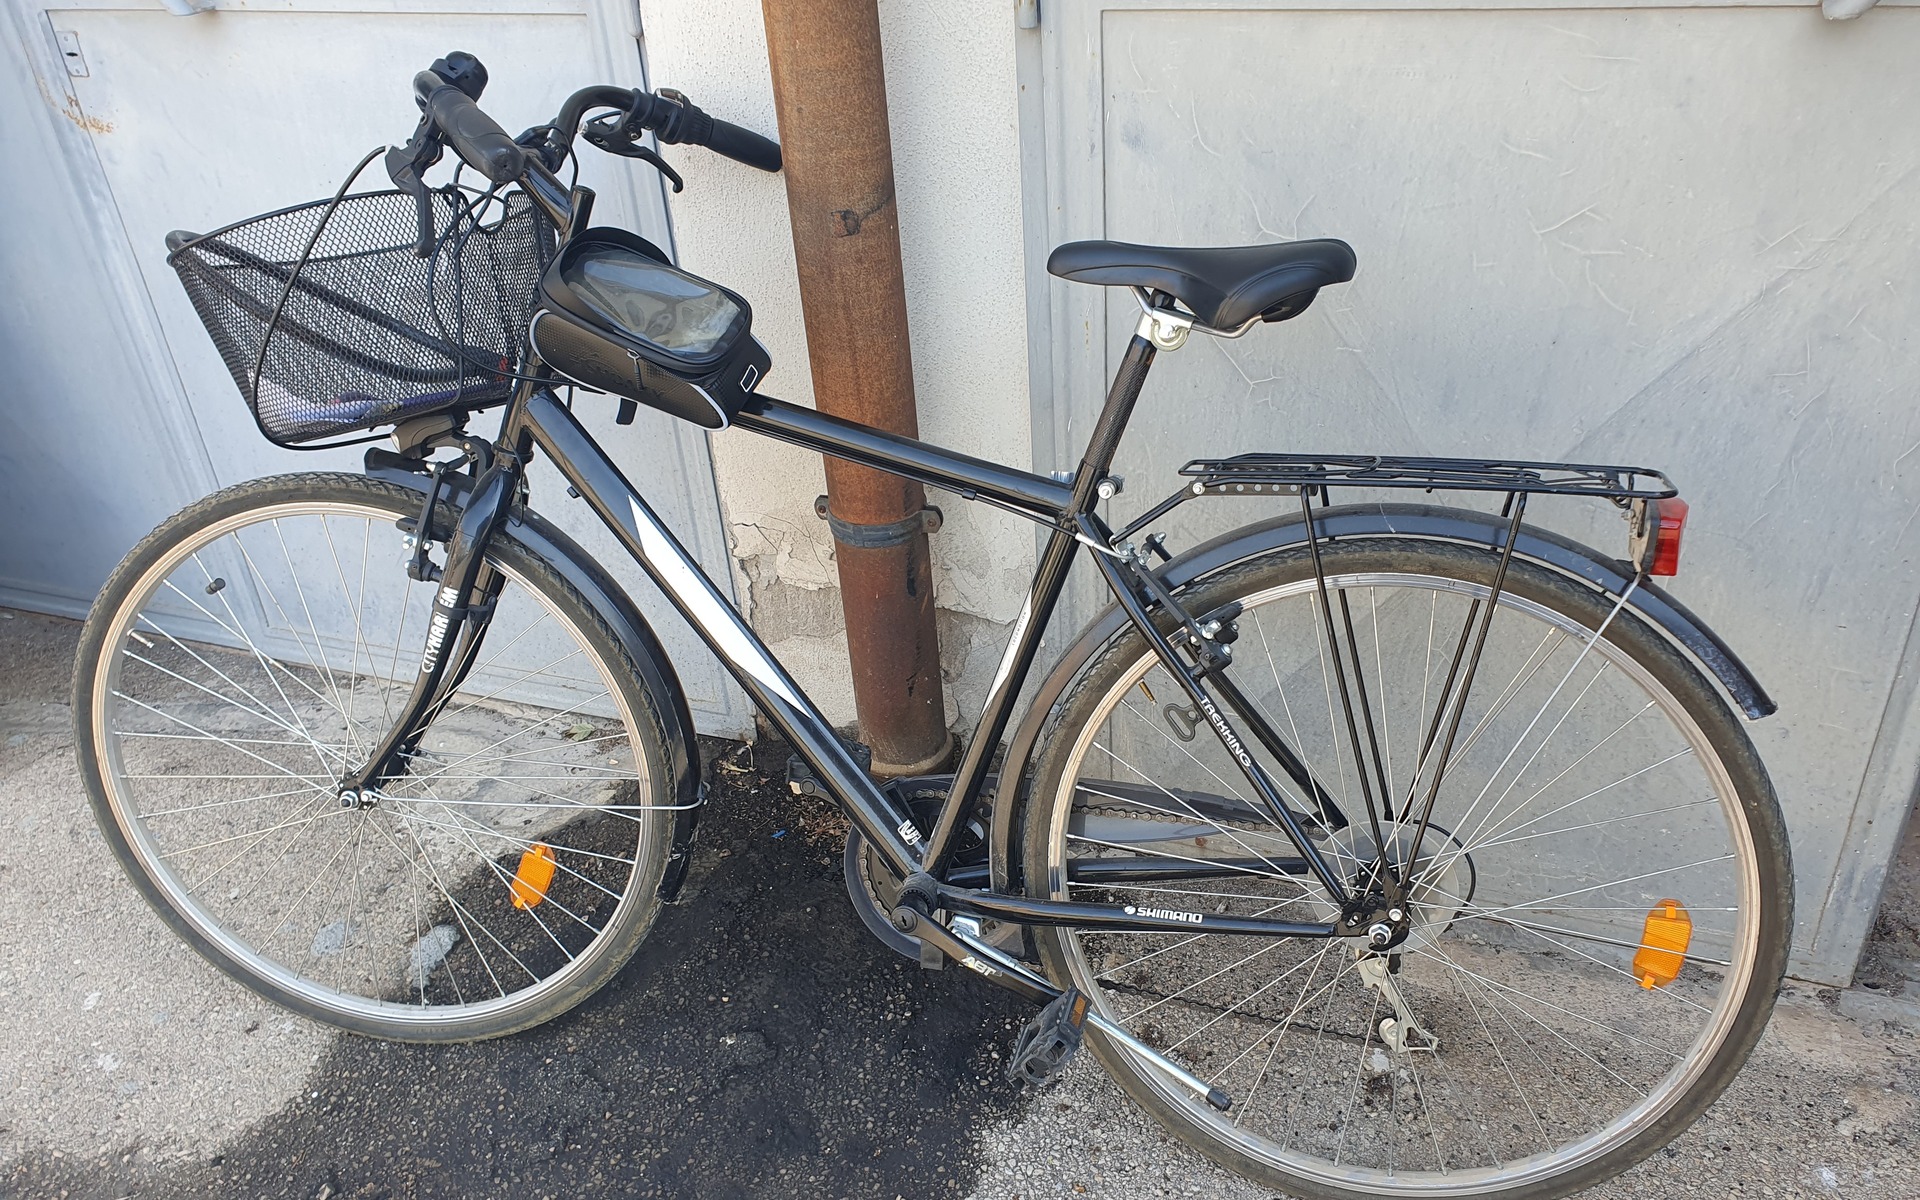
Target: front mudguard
(613, 605)
(1464, 527)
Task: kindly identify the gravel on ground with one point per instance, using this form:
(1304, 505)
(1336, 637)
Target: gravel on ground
(761, 1045)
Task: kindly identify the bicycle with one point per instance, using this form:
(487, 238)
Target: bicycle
(393, 751)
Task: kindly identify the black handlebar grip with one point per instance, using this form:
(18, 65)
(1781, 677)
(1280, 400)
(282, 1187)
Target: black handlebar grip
(677, 119)
(743, 145)
(475, 137)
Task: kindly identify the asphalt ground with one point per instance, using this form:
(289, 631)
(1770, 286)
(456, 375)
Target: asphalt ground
(761, 1045)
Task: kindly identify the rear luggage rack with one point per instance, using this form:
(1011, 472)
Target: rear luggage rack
(1291, 472)
(1629, 488)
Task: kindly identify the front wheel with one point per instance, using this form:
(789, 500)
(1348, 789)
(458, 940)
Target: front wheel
(252, 651)
(1603, 821)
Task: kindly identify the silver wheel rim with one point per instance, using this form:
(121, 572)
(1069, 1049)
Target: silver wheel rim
(1231, 1131)
(412, 809)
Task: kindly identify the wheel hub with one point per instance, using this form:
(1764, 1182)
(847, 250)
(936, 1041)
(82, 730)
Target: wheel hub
(1443, 883)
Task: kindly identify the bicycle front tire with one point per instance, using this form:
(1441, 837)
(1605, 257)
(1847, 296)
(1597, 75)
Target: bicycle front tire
(252, 649)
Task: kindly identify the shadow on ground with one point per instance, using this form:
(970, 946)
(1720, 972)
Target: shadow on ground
(762, 1044)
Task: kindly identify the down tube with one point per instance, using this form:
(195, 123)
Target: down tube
(668, 564)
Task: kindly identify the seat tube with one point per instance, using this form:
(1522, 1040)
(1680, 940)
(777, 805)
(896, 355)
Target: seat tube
(1046, 591)
(1121, 396)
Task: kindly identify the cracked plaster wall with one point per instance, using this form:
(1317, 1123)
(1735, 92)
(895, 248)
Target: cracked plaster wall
(958, 186)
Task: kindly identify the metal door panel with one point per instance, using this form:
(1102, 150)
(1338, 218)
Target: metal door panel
(1683, 236)
(198, 121)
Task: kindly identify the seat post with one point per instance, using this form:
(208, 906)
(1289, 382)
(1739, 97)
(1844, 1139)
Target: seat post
(1159, 328)
(1118, 408)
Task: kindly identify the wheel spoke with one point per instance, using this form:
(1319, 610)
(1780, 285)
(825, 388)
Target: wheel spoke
(1506, 1034)
(1192, 811)
(227, 724)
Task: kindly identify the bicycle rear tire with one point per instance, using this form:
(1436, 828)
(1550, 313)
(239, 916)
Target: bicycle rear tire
(1505, 975)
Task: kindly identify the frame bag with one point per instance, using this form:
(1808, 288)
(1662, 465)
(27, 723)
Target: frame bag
(615, 316)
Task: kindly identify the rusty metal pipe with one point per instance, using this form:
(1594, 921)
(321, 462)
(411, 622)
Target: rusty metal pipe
(830, 93)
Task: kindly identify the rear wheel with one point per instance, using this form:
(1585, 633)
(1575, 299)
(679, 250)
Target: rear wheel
(1518, 1043)
(252, 650)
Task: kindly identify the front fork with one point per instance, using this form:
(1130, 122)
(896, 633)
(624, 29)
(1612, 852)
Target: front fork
(462, 609)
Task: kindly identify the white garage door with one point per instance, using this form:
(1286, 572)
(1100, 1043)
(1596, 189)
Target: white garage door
(198, 121)
(1680, 236)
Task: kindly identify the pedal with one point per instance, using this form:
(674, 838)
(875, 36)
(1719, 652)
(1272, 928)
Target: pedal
(801, 780)
(1048, 1042)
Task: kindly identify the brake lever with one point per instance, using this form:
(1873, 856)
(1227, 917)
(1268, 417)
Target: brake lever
(659, 164)
(621, 135)
(405, 166)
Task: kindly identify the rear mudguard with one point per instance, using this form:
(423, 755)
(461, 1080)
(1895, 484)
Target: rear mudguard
(1460, 526)
(607, 599)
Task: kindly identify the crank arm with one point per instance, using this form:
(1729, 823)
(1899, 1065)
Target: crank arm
(1010, 973)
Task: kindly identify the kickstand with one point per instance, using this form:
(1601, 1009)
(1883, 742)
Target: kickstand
(1400, 1032)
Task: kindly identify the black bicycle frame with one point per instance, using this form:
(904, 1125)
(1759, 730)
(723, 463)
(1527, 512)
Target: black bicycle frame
(537, 422)
(1373, 906)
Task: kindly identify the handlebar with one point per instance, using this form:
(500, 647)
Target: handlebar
(448, 92)
(475, 137)
(600, 95)
(743, 146)
(674, 118)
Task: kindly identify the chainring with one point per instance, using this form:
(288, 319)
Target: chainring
(871, 886)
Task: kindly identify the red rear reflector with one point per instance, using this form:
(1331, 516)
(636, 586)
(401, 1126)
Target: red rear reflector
(1670, 516)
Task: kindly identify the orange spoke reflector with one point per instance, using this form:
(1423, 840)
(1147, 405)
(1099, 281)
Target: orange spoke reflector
(1663, 945)
(535, 876)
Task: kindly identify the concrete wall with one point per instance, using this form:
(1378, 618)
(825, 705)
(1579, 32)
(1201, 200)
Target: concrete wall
(952, 96)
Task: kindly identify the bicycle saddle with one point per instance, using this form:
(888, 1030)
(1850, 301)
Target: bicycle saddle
(1225, 286)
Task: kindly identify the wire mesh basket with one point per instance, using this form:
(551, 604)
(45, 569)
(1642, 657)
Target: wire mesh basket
(364, 333)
